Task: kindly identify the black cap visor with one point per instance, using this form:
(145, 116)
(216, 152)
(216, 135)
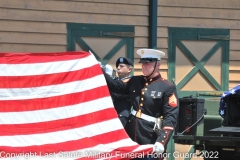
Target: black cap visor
(146, 60)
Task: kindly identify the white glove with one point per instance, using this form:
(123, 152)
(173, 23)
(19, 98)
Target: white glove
(158, 148)
(109, 69)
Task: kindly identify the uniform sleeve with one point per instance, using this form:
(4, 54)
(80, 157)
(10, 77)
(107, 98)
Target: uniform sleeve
(116, 96)
(115, 85)
(170, 114)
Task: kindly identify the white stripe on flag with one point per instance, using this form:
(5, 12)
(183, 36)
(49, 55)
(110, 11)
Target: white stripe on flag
(62, 136)
(55, 113)
(46, 68)
(53, 90)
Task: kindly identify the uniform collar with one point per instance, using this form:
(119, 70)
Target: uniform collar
(152, 79)
(125, 77)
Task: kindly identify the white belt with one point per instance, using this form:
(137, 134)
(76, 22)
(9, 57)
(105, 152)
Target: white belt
(143, 116)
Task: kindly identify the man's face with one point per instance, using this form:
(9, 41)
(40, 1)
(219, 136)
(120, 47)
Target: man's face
(148, 67)
(123, 70)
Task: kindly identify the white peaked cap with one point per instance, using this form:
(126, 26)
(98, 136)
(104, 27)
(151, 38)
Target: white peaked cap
(150, 53)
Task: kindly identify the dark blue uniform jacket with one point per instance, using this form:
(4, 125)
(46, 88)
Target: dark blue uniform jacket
(154, 97)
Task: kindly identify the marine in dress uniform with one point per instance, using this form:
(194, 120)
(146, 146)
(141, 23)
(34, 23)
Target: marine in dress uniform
(152, 97)
(122, 102)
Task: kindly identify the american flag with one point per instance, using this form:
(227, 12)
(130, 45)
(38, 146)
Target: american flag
(57, 105)
(222, 105)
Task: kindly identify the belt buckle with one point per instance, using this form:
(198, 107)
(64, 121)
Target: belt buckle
(139, 113)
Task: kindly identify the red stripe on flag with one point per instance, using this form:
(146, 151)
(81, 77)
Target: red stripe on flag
(27, 58)
(53, 102)
(49, 79)
(70, 145)
(58, 125)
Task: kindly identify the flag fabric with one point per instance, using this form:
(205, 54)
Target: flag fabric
(222, 105)
(57, 105)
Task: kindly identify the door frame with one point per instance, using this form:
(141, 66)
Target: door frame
(176, 34)
(126, 32)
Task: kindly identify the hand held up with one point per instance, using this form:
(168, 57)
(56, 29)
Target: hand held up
(158, 148)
